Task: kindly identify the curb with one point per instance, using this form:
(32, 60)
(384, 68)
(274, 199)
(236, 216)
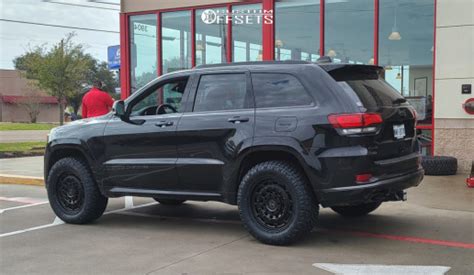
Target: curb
(25, 180)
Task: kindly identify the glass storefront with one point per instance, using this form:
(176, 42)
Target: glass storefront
(143, 50)
(405, 40)
(297, 30)
(406, 51)
(247, 38)
(211, 40)
(349, 31)
(176, 40)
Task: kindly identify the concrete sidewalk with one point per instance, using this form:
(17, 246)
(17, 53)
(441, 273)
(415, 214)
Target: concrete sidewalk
(23, 136)
(28, 166)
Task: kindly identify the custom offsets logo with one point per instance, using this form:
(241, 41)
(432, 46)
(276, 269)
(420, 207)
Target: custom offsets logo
(238, 17)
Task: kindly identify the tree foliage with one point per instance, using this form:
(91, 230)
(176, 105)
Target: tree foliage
(62, 70)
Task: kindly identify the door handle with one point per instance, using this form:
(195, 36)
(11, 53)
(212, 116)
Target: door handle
(164, 123)
(237, 119)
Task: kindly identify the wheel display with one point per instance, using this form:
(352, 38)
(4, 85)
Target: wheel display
(169, 201)
(276, 204)
(356, 210)
(439, 165)
(73, 193)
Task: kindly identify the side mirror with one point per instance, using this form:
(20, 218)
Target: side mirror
(119, 108)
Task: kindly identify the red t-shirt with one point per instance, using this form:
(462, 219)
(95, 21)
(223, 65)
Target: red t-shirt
(96, 103)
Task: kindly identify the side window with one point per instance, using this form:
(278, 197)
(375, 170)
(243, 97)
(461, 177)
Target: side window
(279, 90)
(221, 92)
(169, 94)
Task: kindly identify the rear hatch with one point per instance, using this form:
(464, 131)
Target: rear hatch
(395, 137)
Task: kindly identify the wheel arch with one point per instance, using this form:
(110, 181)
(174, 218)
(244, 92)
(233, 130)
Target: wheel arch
(59, 151)
(255, 155)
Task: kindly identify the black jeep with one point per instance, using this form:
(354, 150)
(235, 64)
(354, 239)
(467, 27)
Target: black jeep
(278, 139)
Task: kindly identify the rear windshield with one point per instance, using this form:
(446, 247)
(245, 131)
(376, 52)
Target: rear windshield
(370, 93)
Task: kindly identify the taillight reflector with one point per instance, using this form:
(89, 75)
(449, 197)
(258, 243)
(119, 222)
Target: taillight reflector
(361, 178)
(355, 120)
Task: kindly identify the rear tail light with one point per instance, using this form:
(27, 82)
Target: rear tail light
(357, 123)
(363, 178)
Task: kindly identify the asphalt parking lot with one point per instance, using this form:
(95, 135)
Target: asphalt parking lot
(435, 227)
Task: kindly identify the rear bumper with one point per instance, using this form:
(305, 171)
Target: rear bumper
(382, 190)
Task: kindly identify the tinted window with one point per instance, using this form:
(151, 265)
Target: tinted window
(279, 90)
(370, 93)
(221, 92)
(169, 94)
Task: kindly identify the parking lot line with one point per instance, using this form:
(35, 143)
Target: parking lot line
(405, 238)
(58, 221)
(23, 206)
(347, 269)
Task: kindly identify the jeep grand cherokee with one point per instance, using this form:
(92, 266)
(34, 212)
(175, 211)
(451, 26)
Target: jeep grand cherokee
(278, 139)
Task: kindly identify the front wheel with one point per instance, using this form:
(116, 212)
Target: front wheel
(356, 210)
(72, 192)
(276, 204)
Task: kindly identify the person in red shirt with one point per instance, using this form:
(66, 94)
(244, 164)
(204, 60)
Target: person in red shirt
(96, 102)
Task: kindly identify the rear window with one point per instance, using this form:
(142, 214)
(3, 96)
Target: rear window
(370, 93)
(279, 90)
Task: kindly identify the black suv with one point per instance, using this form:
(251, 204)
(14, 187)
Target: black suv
(278, 139)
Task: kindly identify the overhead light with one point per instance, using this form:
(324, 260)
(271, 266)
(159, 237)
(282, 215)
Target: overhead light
(371, 61)
(331, 53)
(395, 34)
(278, 43)
(399, 76)
(388, 68)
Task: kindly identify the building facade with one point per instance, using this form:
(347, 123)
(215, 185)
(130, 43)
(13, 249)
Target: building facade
(18, 97)
(425, 46)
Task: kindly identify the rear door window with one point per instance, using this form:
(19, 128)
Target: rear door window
(219, 92)
(279, 90)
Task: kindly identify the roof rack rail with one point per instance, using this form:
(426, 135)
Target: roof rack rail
(251, 63)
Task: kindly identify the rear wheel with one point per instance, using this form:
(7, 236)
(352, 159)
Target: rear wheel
(276, 204)
(356, 210)
(73, 193)
(169, 201)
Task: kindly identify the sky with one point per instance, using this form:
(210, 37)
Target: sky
(17, 38)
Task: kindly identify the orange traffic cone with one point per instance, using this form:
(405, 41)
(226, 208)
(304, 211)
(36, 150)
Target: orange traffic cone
(470, 179)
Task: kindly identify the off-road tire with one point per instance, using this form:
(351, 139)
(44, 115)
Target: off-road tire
(290, 187)
(93, 202)
(439, 165)
(169, 201)
(356, 210)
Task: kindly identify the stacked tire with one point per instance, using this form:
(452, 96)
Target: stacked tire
(439, 165)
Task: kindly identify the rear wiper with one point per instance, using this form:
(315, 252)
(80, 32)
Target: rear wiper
(399, 100)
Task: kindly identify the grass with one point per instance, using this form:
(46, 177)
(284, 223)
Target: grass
(22, 147)
(5, 126)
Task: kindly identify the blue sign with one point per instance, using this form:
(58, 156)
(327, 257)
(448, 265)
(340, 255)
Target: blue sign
(113, 57)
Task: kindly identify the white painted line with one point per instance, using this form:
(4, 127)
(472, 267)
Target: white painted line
(23, 206)
(359, 269)
(21, 199)
(128, 202)
(58, 221)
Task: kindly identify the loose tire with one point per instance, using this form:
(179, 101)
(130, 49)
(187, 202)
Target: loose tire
(73, 193)
(169, 201)
(276, 204)
(439, 165)
(356, 210)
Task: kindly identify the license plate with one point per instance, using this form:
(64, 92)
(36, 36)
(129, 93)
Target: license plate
(399, 131)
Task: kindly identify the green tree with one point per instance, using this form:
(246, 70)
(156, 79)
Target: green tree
(60, 70)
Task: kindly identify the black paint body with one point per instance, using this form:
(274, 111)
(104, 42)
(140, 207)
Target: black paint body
(203, 155)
